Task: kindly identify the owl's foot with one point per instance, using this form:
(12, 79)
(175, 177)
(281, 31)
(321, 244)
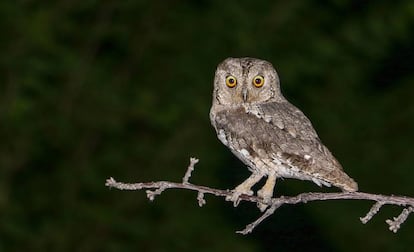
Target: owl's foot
(237, 192)
(244, 188)
(266, 192)
(266, 197)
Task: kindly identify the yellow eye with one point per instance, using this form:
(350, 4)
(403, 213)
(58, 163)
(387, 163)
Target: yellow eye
(231, 81)
(258, 81)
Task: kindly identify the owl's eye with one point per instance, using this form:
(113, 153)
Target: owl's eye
(258, 81)
(231, 81)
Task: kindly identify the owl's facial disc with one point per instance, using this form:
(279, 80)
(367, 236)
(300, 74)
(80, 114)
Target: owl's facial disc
(246, 81)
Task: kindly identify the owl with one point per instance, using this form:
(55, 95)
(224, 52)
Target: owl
(266, 132)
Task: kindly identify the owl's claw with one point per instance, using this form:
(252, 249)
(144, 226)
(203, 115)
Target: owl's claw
(236, 193)
(262, 207)
(244, 188)
(234, 197)
(266, 192)
(267, 198)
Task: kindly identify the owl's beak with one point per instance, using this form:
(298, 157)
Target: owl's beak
(245, 94)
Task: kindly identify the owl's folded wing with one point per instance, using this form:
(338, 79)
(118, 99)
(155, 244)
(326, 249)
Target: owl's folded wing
(286, 117)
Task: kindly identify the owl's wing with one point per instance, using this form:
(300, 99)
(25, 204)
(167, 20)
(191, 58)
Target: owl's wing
(279, 136)
(286, 117)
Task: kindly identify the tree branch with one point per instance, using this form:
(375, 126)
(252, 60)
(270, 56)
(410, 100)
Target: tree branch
(380, 200)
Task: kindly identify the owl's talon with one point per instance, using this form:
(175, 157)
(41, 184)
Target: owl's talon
(235, 195)
(267, 198)
(262, 206)
(266, 192)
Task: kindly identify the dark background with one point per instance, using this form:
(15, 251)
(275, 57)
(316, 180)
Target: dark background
(94, 89)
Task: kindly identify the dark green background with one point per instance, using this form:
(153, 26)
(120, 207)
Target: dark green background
(92, 89)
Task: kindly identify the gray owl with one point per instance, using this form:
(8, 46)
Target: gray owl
(266, 132)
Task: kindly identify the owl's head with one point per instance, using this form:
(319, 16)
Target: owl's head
(245, 81)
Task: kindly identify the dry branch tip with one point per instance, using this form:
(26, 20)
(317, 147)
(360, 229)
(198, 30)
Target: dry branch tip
(190, 168)
(395, 224)
(200, 199)
(374, 210)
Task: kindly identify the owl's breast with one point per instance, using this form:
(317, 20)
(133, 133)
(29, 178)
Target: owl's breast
(243, 134)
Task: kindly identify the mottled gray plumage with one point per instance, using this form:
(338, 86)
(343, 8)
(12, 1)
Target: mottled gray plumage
(270, 135)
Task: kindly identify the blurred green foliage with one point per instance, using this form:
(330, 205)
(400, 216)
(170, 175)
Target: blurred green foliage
(93, 89)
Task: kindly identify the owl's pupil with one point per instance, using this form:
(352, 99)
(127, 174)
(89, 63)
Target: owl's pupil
(258, 81)
(231, 81)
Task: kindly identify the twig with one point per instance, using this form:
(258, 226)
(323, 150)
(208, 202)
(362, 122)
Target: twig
(380, 200)
(200, 199)
(249, 228)
(395, 224)
(190, 169)
(373, 211)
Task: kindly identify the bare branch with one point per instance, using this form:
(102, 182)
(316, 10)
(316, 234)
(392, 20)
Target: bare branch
(190, 169)
(373, 211)
(380, 200)
(249, 228)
